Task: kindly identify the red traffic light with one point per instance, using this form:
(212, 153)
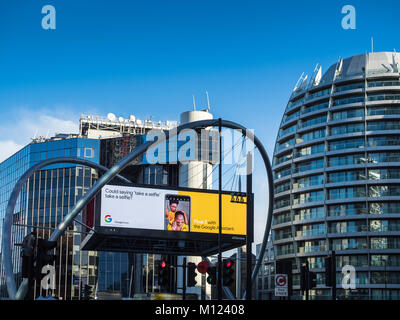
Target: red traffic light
(203, 266)
(229, 264)
(164, 264)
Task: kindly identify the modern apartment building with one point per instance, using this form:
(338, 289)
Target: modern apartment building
(337, 176)
(266, 276)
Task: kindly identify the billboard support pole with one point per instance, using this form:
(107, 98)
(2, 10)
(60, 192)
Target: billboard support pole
(249, 224)
(219, 286)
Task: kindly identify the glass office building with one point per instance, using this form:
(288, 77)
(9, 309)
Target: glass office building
(44, 201)
(51, 192)
(337, 176)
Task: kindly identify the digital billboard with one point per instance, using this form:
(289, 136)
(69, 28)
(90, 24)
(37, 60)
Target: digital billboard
(170, 210)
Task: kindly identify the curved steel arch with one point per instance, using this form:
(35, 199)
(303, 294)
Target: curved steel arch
(112, 172)
(8, 218)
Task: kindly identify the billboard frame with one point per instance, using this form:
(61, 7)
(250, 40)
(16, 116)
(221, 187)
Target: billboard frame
(138, 240)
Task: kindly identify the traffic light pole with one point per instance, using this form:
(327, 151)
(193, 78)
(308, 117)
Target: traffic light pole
(307, 281)
(219, 273)
(184, 280)
(249, 225)
(333, 272)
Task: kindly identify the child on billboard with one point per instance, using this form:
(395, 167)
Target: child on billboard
(177, 220)
(178, 224)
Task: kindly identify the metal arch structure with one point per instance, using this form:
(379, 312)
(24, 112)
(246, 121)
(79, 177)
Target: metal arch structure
(123, 163)
(8, 219)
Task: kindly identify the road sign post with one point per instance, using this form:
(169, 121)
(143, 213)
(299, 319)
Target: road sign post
(281, 285)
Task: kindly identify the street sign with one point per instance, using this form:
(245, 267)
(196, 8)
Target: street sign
(281, 285)
(203, 266)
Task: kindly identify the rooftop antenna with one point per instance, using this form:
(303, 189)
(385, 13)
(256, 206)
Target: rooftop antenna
(208, 101)
(372, 44)
(36, 132)
(194, 104)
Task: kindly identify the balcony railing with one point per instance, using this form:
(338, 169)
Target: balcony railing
(345, 229)
(379, 97)
(308, 249)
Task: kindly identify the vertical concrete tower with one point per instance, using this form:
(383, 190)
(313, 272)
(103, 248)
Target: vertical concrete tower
(195, 174)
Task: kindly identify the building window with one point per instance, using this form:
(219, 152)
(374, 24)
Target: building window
(347, 160)
(314, 149)
(309, 213)
(384, 207)
(347, 114)
(345, 193)
(347, 209)
(348, 128)
(308, 197)
(89, 153)
(343, 176)
(346, 144)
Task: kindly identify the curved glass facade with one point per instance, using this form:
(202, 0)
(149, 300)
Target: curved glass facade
(337, 176)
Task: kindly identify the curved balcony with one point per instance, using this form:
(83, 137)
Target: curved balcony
(345, 135)
(346, 121)
(316, 99)
(307, 173)
(291, 119)
(352, 105)
(341, 80)
(299, 157)
(337, 94)
(282, 164)
(286, 136)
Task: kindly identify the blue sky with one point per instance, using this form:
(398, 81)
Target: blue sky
(148, 58)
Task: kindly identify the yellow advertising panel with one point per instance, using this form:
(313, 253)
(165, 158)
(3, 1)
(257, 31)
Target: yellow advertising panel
(205, 212)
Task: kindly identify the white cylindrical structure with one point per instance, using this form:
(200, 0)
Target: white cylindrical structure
(191, 116)
(195, 174)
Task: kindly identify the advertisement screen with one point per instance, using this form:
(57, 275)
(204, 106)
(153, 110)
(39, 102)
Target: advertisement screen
(170, 210)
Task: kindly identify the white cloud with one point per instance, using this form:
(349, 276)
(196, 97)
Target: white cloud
(8, 148)
(46, 125)
(18, 132)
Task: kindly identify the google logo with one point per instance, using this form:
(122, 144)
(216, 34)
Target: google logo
(108, 218)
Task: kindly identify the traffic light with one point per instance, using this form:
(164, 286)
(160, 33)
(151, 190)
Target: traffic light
(303, 277)
(308, 279)
(27, 253)
(212, 275)
(191, 275)
(163, 274)
(87, 292)
(311, 280)
(43, 258)
(228, 272)
(328, 272)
